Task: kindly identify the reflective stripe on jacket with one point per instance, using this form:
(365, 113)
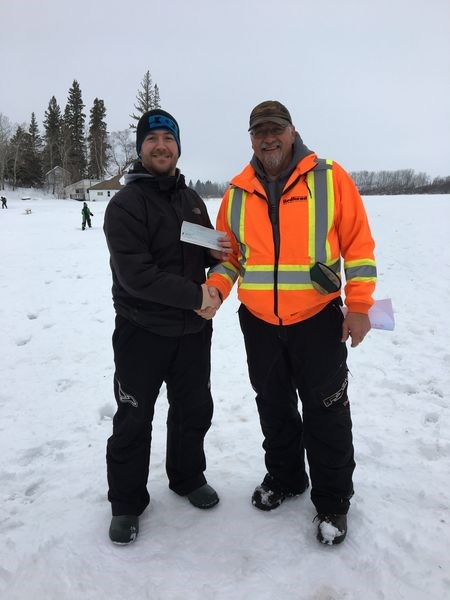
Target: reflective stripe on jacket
(321, 218)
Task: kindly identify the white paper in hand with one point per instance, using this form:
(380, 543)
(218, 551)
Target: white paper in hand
(381, 314)
(200, 236)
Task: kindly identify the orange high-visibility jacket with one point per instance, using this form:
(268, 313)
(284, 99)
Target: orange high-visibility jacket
(321, 219)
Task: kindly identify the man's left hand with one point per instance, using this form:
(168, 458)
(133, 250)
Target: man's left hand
(357, 326)
(225, 251)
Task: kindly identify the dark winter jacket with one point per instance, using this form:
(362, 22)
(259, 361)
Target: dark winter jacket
(86, 213)
(156, 277)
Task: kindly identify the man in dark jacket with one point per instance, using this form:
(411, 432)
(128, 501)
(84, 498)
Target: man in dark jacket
(158, 284)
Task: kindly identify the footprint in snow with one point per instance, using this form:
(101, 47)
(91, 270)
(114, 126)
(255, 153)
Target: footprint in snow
(32, 489)
(23, 341)
(431, 418)
(63, 384)
(51, 448)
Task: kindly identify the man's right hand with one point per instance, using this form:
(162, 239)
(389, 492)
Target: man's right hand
(210, 303)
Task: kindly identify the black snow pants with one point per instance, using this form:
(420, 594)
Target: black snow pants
(143, 361)
(86, 219)
(308, 358)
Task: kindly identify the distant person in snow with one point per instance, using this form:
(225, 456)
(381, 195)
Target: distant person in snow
(158, 285)
(291, 216)
(86, 216)
(4, 205)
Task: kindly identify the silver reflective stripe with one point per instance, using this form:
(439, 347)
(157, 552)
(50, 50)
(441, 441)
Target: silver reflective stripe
(336, 266)
(222, 269)
(321, 210)
(293, 277)
(368, 271)
(258, 277)
(236, 207)
(237, 197)
(234, 217)
(287, 274)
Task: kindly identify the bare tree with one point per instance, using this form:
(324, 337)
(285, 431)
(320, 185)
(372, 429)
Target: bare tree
(5, 136)
(401, 181)
(122, 150)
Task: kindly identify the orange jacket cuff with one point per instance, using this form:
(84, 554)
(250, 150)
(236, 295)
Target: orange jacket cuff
(359, 307)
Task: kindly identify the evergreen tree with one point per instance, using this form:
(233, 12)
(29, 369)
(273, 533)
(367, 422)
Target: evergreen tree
(208, 189)
(73, 132)
(156, 98)
(65, 144)
(198, 187)
(31, 160)
(5, 135)
(147, 98)
(97, 141)
(15, 162)
(52, 136)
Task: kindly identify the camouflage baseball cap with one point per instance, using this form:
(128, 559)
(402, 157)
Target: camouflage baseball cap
(270, 110)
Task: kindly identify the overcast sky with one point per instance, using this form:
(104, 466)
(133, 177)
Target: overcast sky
(367, 82)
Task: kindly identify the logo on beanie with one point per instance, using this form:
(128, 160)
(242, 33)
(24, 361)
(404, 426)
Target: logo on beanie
(162, 122)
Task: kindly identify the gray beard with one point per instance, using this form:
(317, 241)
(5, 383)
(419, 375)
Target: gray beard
(273, 161)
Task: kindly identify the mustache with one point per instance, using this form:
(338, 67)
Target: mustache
(265, 146)
(159, 153)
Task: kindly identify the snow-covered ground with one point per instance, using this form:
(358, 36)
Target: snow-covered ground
(56, 405)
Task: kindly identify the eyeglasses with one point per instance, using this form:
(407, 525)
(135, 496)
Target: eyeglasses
(264, 132)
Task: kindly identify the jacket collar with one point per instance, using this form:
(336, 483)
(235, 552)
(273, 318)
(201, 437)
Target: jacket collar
(303, 160)
(162, 182)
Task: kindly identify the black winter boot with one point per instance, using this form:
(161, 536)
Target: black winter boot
(203, 497)
(331, 529)
(124, 529)
(270, 495)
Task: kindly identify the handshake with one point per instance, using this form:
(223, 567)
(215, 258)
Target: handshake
(210, 303)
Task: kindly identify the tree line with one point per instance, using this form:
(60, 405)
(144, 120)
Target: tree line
(403, 181)
(83, 150)
(90, 151)
(208, 189)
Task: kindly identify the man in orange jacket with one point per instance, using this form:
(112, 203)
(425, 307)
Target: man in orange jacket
(292, 218)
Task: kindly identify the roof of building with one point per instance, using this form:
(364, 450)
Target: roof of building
(55, 169)
(83, 183)
(109, 184)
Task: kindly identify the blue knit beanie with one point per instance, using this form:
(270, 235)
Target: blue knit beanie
(156, 119)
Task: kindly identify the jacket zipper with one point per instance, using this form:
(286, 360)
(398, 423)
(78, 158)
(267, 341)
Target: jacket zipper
(276, 241)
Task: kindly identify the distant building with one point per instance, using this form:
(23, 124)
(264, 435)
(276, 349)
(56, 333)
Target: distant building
(79, 189)
(56, 180)
(106, 189)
